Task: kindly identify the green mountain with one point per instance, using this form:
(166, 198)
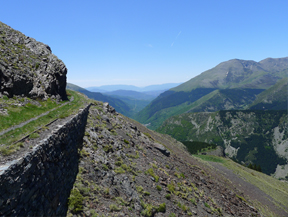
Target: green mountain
(118, 104)
(240, 74)
(135, 104)
(256, 137)
(168, 104)
(233, 84)
(274, 98)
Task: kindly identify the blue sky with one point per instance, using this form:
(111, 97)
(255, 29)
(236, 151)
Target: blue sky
(153, 41)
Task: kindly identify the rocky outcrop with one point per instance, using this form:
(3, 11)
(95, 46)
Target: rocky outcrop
(28, 67)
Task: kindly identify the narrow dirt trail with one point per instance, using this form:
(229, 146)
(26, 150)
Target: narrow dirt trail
(33, 119)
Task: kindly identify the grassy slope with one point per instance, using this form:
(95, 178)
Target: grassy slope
(10, 137)
(276, 189)
(274, 98)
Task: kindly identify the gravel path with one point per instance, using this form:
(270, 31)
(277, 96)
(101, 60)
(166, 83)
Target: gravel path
(32, 119)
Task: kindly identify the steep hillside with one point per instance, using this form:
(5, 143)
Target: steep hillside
(274, 98)
(118, 104)
(257, 137)
(240, 74)
(127, 170)
(168, 104)
(28, 67)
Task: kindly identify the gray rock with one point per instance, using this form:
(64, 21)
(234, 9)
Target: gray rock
(161, 148)
(31, 69)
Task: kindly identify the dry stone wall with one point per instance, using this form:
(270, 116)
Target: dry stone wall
(39, 184)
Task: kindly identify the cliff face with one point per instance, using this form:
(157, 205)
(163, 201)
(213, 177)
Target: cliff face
(28, 67)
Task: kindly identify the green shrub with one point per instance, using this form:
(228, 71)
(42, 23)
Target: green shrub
(207, 205)
(75, 201)
(193, 200)
(119, 170)
(105, 167)
(34, 135)
(162, 208)
(149, 210)
(159, 188)
(114, 208)
(108, 148)
(146, 193)
(37, 65)
(151, 173)
(171, 187)
(126, 141)
(168, 196)
(139, 189)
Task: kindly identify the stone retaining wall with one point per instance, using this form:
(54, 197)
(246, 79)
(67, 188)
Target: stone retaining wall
(39, 184)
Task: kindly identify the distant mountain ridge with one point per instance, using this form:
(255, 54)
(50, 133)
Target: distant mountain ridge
(118, 104)
(109, 88)
(237, 73)
(130, 94)
(233, 84)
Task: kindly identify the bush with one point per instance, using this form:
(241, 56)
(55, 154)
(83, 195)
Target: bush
(75, 201)
(151, 173)
(34, 136)
(114, 208)
(162, 207)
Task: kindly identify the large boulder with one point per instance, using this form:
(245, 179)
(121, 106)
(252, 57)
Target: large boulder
(28, 67)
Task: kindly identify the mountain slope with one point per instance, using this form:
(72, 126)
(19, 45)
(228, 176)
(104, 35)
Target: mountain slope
(127, 170)
(225, 99)
(257, 137)
(119, 105)
(238, 81)
(240, 74)
(168, 104)
(274, 98)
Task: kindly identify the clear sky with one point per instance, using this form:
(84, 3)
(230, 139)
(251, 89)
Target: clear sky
(144, 42)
